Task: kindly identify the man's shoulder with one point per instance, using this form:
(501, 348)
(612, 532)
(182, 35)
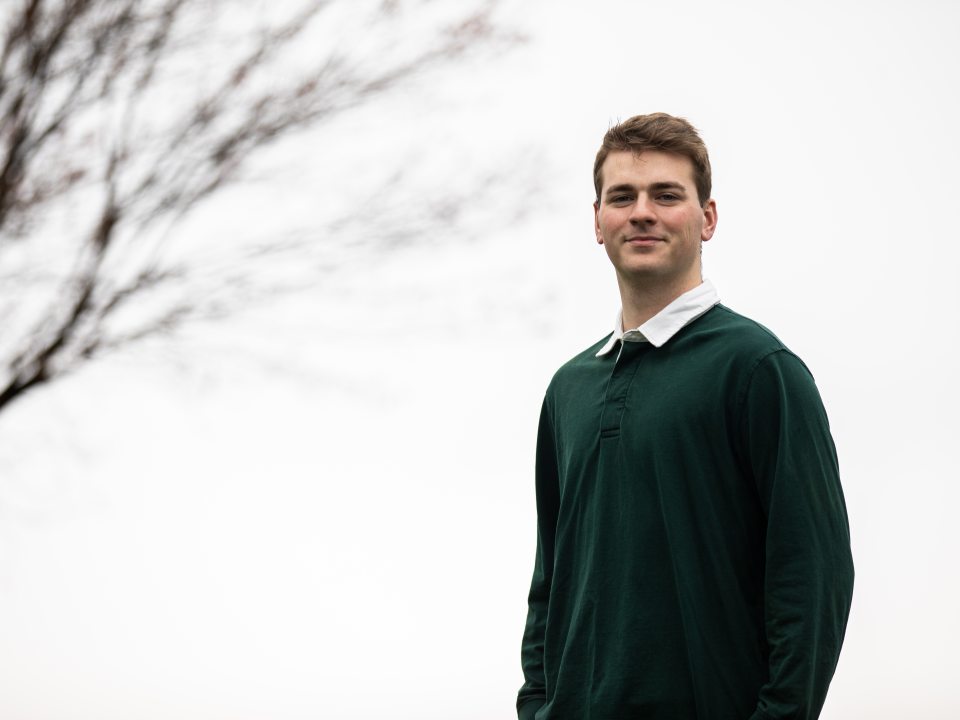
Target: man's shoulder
(742, 340)
(736, 329)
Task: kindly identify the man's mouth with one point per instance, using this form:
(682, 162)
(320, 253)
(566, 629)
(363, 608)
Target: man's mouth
(643, 240)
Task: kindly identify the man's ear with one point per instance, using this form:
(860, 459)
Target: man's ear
(596, 222)
(709, 220)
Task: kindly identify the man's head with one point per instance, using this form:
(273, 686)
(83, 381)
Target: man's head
(653, 209)
(657, 131)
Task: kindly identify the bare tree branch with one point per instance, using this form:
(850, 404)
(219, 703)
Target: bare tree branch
(115, 105)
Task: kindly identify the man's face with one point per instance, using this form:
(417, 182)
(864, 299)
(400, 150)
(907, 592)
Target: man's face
(650, 221)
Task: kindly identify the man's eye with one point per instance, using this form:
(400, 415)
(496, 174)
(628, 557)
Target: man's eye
(668, 197)
(620, 199)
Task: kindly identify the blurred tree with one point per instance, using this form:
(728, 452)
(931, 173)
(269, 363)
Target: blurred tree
(118, 118)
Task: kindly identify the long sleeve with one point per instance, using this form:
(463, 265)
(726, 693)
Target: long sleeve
(808, 566)
(532, 694)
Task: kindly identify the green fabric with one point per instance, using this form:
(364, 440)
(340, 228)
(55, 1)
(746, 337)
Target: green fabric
(529, 709)
(693, 552)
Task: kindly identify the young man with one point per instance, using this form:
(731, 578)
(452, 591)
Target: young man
(693, 552)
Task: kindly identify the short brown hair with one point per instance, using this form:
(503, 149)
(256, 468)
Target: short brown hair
(657, 131)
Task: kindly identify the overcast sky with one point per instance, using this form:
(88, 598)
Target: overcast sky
(324, 509)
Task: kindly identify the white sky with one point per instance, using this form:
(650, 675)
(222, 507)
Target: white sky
(325, 509)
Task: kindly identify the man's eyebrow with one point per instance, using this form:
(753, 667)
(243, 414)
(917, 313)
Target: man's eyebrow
(667, 185)
(622, 187)
(653, 187)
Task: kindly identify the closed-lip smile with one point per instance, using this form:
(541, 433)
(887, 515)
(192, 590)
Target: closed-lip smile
(643, 239)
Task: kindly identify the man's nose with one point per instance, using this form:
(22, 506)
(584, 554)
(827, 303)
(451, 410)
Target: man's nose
(642, 212)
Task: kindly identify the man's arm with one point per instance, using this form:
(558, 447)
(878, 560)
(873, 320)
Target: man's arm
(809, 568)
(533, 695)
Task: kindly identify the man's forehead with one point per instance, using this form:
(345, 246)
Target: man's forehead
(670, 166)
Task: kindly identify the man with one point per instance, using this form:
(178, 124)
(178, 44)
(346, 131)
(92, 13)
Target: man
(693, 552)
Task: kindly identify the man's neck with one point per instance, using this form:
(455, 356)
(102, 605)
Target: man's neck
(640, 302)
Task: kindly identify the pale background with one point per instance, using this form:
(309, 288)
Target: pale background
(324, 509)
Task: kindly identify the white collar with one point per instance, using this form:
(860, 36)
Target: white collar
(666, 323)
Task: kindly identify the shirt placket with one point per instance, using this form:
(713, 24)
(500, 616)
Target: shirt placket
(618, 386)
